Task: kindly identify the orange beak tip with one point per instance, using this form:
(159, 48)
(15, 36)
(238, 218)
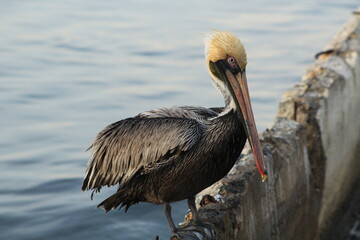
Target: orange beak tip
(264, 177)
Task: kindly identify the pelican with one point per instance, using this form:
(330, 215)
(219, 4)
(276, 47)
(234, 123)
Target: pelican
(170, 154)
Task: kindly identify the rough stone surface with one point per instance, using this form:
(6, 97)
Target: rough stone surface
(312, 154)
(330, 90)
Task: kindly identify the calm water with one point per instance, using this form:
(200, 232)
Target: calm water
(68, 68)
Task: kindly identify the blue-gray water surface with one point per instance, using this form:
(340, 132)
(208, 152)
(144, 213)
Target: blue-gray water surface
(69, 68)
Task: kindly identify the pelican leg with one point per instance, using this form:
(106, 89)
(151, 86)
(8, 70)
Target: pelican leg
(194, 212)
(195, 231)
(176, 235)
(168, 216)
(197, 225)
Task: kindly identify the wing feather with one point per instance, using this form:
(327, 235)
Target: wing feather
(190, 112)
(130, 145)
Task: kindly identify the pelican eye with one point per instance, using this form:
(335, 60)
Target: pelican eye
(233, 65)
(231, 61)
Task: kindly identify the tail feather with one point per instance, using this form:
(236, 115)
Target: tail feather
(119, 199)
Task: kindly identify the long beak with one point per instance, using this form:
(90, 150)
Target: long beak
(238, 83)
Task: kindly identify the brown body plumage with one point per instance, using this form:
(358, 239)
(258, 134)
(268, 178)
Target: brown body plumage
(182, 170)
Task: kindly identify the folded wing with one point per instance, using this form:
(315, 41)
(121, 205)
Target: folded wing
(129, 146)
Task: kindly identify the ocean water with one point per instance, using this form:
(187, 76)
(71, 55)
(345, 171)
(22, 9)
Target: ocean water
(69, 68)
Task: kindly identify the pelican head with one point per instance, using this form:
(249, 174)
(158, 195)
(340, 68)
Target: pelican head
(226, 59)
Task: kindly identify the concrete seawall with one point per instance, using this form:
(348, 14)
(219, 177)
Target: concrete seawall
(312, 153)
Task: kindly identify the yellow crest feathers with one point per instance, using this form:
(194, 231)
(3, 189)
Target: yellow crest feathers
(221, 44)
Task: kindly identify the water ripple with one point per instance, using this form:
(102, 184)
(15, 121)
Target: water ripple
(57, 186)
(159, 96)
(78, 48)
(152, 53)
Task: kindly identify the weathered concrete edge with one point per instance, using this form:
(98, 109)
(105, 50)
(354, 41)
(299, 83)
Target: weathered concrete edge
(298, 197)
(328, 100)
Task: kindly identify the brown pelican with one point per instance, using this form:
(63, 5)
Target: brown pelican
(170, 154)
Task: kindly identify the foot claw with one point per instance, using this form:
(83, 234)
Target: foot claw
(194, 231)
